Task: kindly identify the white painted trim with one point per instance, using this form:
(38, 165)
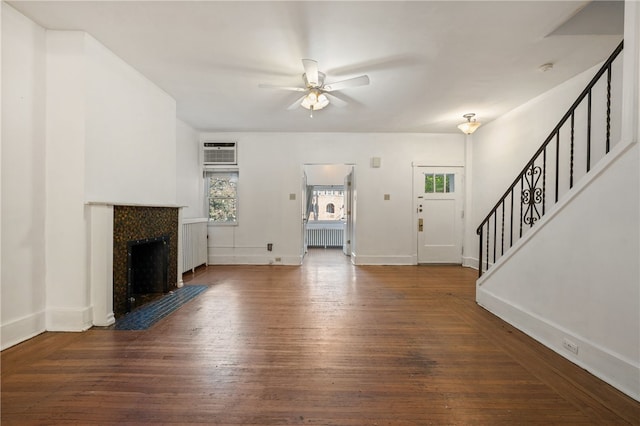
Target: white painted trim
(110, 319)
(179, 261)
(470, 262)
(624, 374)
(100, 260)
(128, 204)
(195, 220)
(297, 260)
(384, 260)
(234, 259)
(22, 329)
(69, 319)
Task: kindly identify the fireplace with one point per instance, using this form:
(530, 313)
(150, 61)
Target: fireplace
(145, 253)
(147, 270)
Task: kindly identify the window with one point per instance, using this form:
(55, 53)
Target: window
(439, 183)
(325, 203)
(222, 196)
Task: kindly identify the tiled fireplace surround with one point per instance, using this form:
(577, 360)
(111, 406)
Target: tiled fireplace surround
(111, 227)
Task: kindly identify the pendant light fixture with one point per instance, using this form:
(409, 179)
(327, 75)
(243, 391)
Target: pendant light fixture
(469, 126)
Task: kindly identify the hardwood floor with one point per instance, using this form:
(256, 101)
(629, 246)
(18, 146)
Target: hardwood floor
(327, 343)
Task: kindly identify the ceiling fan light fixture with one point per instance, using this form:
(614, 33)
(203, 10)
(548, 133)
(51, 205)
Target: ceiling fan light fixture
(309, 101)
(469, 126)
(323, 101)
(315, 100)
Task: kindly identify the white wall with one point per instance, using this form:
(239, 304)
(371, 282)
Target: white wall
(271, 167)
(130, 133)
(22, 287)
(190, 191)
(327, 174)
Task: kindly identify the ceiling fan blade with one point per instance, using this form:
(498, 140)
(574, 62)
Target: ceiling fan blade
(337, 101)
(363, 80)
(290, 88)
(296, 104)
(311, 71)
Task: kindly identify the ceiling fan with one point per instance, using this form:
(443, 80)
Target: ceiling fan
(317, 92)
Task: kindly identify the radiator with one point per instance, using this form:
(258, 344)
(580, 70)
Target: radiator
(194, 244)
(324, 237)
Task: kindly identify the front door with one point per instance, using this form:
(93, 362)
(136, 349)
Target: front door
(439, 207)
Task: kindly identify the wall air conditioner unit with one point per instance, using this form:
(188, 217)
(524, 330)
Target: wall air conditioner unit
(219, 153)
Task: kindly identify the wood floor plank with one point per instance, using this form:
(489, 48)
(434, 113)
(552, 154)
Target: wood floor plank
(327, 343)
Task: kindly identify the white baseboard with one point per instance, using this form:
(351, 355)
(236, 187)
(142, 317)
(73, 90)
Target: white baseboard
(22, 329)
(470, 262)
(297, 260)
(69, 319)
(254, 260)
(109, 320)
(383, 260)
(612, 368)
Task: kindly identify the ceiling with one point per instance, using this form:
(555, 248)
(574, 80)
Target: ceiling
(429, 62)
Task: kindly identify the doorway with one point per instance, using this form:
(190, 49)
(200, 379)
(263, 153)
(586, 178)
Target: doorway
(328, 200)
(438, 194)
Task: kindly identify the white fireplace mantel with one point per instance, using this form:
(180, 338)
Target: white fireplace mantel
(117, 203)
(100, 256)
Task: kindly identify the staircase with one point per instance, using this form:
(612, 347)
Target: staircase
(558, 252)
(581, 138)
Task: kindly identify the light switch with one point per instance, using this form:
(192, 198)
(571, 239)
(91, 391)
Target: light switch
(292, 196)
(387, 197)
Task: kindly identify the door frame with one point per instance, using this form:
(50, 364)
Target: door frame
(414, 167)
(350, 228)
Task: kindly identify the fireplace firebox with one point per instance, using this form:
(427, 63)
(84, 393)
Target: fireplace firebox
(147, 270)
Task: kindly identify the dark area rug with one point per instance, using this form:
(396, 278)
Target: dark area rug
(147, 315)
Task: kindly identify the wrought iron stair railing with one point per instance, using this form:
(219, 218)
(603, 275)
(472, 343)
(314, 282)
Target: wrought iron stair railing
(570, 148)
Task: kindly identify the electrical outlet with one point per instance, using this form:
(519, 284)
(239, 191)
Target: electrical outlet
(570, 346)
(278, 259)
